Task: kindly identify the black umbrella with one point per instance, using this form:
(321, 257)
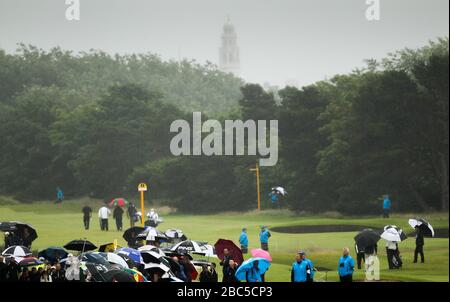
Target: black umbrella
(95, 258)
(366, 238)
(53, 253)
(130, 262)
(118, 276)
(20, 229)
(80, 245)
(131, 234)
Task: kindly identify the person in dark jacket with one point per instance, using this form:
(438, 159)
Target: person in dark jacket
(131, 213)
(24, 276)
(34, 275)
(3, 270)
(225, 263)
(214, 276)
(420, 242)
(13, 271)
(205, 274)
(117, 215)
(87, 213)
(360, 255)
(187, 268)
(59, 274)
(230, 276)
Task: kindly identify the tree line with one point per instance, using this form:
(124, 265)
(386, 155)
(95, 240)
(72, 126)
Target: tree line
(98, 125)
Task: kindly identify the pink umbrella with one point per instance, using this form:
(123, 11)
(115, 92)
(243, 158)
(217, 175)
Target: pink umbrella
(259, 253)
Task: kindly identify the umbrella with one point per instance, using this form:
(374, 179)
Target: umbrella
(208, 251)
(118, 202)
(116, 275)
(366, 237)
(108, 247)
(259, 253)
(235, 251)
(19, 228)
(133, 254)
(161, 268)
(97, 271)
(137, 275)
(152, 234)
(130, 262)
(175, 234)
(423, 225)
(53, 253)
(263, 266)
(29, 262)
(187, 246)
(17, 251)
(95, 258)
(152, 257)
(280, 190)
(393, 233)
(80, 245)
(131, 234)
(151, 248)
(115, 259)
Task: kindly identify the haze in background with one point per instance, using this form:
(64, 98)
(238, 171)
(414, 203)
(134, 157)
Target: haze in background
(281, 41)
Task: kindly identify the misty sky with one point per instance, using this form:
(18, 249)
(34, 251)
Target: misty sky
(280, 40)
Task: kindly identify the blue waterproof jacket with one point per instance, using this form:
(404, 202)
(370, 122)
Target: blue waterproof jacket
(243, 239)
(264, 236)
(253, 275)
(346, 266)
(386, 204)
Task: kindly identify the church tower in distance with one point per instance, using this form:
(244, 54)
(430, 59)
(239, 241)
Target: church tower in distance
(229, 51)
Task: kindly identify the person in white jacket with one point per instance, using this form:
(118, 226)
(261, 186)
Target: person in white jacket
(73, 268)
(103, 214)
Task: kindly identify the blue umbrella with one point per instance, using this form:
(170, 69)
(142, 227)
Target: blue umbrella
(133, 254)
(53, 253)
(263, 266)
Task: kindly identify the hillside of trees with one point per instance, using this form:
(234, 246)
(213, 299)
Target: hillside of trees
(97, 125)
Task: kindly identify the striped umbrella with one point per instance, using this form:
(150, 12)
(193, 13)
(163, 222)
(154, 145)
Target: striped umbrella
(17, 251)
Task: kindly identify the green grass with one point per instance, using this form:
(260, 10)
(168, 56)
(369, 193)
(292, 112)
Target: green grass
(57, 226)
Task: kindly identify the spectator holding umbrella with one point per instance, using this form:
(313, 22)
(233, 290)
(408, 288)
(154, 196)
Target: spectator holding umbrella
(346, 266)
(420, 242)
(87, 213)
(230, 276)
(225, 263)
(103, 214)
(243, 241)
(264, 238)
(117, 215)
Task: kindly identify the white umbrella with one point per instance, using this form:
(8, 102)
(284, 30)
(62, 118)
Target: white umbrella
(174, 233)
(152, 234)
(187, 246)
(391, 234)
(422, 224)
(17, 251)
(115, 259)
(207, 250)
(152, 249)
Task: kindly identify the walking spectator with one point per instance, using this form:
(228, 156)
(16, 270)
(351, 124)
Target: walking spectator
(346, 266)
(264, 238)
(420, 242)
(87, 214)
(386, 206)
(131, 214)
(243, 241)
(103, 214)
(117, 215)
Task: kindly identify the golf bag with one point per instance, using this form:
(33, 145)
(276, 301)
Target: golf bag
(397, 259)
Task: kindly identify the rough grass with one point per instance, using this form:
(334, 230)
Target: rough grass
(57, 226)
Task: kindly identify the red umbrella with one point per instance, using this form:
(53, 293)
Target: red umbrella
(118, 202)
(192, 271)
(235, 251)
